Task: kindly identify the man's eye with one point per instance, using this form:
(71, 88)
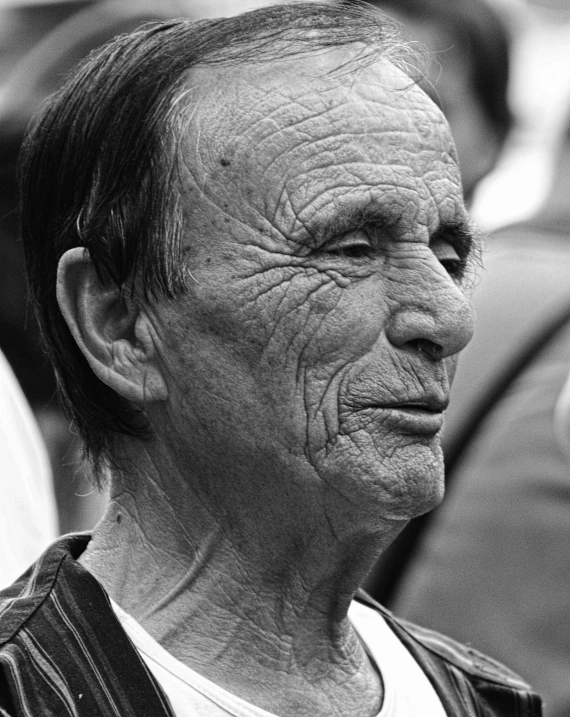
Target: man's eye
(350, 246)
(354, 251)
(454, 267)
(448, 257)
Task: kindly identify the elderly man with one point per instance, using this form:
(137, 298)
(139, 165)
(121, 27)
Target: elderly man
(255, 232)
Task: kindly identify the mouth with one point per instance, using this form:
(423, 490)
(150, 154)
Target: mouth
(415, 418)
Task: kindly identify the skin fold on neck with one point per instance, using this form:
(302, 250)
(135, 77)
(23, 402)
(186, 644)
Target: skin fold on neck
(278, 638)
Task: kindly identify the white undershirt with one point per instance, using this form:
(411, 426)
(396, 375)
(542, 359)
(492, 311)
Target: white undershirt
(407, 691)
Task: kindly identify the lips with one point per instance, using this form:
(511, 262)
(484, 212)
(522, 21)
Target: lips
(422, 417)
(430, 404)
(415, 420)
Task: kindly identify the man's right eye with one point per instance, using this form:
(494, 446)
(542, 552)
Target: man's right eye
(354, 245)
(356, 251)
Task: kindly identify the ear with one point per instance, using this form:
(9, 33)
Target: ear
(114, 335)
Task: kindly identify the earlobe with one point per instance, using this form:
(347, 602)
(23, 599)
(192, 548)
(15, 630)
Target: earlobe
(111, 331)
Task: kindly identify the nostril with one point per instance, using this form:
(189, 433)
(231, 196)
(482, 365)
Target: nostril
(429, 348)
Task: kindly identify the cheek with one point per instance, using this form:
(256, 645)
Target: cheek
(349, 325)
(310, 319)
(275, 343)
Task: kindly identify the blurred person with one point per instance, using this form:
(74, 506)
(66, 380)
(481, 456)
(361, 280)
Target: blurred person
(494, 567)
(28, 521)
(250, 256)
(539, 95)
(23, 23)
(468, 77)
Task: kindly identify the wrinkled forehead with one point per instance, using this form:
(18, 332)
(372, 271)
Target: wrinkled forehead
(309, 122)
(252, 97)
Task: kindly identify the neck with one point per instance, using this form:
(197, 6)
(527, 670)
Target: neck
(245, 606)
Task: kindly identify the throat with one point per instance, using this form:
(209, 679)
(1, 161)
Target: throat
(352, 688)
(268, 635)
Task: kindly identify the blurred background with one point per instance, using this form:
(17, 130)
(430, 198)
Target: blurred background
(500, 71)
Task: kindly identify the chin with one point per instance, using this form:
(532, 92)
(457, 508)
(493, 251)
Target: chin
(417, 502)
(404, 485)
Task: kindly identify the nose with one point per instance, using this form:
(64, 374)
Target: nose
(436, 321)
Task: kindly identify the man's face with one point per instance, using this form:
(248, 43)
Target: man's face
(314, 351)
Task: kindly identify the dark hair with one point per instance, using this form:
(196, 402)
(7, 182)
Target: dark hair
(480, 33)
(98, 170)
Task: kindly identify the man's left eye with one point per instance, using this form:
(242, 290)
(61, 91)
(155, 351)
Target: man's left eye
(447, 256)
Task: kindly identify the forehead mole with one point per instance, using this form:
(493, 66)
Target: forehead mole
(264, 140)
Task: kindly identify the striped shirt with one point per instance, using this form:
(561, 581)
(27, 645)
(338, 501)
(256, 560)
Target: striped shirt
(64, 653)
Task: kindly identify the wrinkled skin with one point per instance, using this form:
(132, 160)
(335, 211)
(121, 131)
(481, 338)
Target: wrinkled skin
(450, 84)
(297, 389)
(316, 281)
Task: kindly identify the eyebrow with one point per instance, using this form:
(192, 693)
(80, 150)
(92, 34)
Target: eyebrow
(351, 218)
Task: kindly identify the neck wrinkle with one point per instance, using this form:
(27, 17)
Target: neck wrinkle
(186, 578)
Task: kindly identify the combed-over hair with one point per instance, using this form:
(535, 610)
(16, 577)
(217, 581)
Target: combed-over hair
(98, 170)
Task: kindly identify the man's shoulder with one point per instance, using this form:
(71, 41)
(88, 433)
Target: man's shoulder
(21, 600)
(467, 682)
(62, 649)
(462, 657)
